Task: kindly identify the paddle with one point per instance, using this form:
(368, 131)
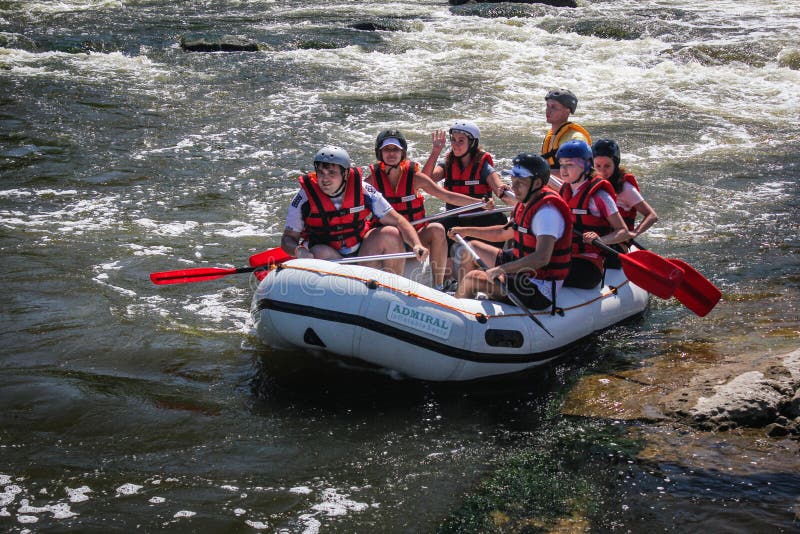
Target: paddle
(695, 291)
(504, 209)
(448, 213)
(512, 297)
(202, 274)
(647, 270)
(269, 257)
(277, 255)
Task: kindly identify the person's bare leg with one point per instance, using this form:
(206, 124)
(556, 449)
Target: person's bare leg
(383, 240)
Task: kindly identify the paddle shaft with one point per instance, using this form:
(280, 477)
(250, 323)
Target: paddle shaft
(511, 296)
(448, 213)
(201, 274)
(504, 209)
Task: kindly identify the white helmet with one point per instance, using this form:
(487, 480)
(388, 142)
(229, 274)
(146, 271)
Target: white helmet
(467, 127)
(471, 130)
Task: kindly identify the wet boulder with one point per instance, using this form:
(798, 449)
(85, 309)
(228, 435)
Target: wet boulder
(555, 3)
(225, 43)
(753, 399)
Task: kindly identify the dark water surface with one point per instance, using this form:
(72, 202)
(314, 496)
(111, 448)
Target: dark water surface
(125, 405)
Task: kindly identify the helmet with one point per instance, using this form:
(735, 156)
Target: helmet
(535, 165)
(575, 149)
(565, 97)
(608, 148)
(471, 130)
(333, 154)
(466, 127)
(390, 135)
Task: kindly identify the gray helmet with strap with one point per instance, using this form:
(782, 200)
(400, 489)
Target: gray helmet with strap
(333, 154)
(565, 97)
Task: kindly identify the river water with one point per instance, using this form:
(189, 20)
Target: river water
(127, 405)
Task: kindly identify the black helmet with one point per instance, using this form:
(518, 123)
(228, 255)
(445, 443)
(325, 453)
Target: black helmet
(608, 148)
(390, 137)
(565, 97)
(535, 165)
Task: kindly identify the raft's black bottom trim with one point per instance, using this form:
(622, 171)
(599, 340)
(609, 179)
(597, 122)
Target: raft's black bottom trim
(407, 337)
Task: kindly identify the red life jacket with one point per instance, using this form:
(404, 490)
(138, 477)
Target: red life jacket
(629, 216)
(467, 181)
(337, 228)
(583, 220)
(525, 239)
(404, 198)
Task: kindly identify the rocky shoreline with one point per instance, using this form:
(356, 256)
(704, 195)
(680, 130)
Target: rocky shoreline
(741, 391)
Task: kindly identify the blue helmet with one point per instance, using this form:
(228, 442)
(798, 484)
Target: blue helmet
(575, 149)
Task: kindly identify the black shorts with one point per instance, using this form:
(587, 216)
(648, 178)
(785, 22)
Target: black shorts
(583, 274)
(522, 286)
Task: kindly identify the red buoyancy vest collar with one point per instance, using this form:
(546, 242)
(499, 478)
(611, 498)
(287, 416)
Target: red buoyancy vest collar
(325, 224)
(582, 219)
(467, 181)
(404, 198)
(525, 239)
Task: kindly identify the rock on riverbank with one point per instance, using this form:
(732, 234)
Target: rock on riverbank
(737, 392)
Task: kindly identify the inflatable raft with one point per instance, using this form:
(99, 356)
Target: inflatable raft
(405, 326)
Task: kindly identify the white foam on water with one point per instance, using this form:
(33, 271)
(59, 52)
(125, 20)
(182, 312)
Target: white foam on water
(243, 229)
(257, 525)
(223, 307)
(27, 519)
(168, 229)
(51, 8)
(78, 494)
(156, 500)
(184, 514)
(336, 504)
(311, 525)
(128, 489)
(300, 490)
(154, 250)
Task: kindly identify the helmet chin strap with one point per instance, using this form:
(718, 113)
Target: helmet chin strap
(532, 192)
(340, 190)
(390, 168)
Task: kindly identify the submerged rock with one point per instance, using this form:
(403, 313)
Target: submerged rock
(390, 25)
(226, 43)
(556, 3)
(790, 58)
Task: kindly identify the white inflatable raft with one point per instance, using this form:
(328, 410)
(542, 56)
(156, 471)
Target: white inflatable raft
(399, 324)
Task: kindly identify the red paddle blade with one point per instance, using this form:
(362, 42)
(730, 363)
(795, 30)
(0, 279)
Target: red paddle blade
(190, 275)
(272, 256)
(695, 291)
(652, 273)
